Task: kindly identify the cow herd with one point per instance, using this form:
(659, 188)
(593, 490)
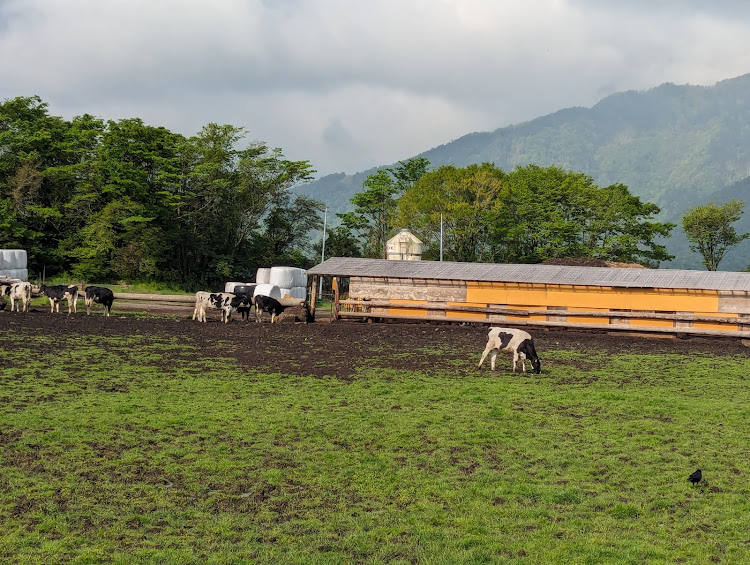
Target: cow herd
(243, 302)
(20, 294)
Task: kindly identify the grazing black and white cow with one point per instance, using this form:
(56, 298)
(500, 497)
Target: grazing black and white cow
(267, 304)
(227, 303)
(100, 295)
(511, 339)
(19, 293)
(58, 293)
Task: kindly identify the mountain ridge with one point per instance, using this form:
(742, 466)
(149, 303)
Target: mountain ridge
(675, 145)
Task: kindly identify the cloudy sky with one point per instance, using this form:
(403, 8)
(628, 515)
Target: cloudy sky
(351, 84)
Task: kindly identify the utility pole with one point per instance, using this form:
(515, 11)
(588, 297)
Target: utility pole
(323, 250)
(441, 236)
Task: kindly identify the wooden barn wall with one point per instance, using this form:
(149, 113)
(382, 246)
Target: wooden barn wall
(556, 300)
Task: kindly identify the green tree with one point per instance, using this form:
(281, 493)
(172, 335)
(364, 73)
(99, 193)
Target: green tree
(42, 159)
(123, 231)
(223, 194)
(529, 215)
(372, 219)
(466, 199)
(340, 242)
(710, 232)
(284, 239)
(550, 213)
(128, 200)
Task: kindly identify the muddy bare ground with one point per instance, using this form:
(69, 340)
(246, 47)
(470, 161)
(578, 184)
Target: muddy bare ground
(338, 349)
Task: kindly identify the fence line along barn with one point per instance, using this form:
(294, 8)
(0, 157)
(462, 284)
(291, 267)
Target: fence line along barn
(644, 300)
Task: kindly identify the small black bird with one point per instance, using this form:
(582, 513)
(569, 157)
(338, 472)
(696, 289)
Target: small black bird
(696, 477)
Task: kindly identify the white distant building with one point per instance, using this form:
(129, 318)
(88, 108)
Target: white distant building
(404, 246)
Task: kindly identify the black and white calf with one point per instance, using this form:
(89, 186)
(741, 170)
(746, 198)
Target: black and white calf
(100, 295)
(228, 303)
(201, 303)
(244, 310)
(19, 293)
(58, 293)
(511, 339)
(267, 304)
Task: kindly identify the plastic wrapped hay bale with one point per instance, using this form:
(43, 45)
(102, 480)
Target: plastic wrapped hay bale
(229, 287)
(263, 276)
(271, 290)
(21, 259)
(299, 292)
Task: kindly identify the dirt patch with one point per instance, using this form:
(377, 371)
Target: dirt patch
(325, 349)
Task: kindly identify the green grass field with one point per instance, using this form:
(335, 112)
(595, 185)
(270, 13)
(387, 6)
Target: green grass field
(109, 454)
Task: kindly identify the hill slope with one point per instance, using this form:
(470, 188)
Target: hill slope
(677, 146)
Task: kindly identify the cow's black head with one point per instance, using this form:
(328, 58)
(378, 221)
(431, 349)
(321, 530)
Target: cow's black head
(537, 364)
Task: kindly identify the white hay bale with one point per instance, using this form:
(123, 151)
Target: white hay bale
(15, 274)
(263, 276)
(229, 287)
(283, 277)
(299, 292)
(21, 258)
(271, 290)
(13, 259)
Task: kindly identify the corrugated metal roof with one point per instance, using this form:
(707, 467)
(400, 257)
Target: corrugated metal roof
(542, 274)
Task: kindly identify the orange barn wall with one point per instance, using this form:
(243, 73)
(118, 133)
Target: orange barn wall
(580, 298)
(593, 297)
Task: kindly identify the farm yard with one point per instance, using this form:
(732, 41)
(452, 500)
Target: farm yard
(156, 439)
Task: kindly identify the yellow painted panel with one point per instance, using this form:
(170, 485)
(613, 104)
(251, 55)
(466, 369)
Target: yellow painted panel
(712, 326)
(594, 297)
(407, 311)
(722, 314)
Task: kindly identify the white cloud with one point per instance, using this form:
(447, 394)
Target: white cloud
(350, 85)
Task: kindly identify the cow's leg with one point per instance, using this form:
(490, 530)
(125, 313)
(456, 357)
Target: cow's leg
(493, 357)
(484, 354)
(515, 360)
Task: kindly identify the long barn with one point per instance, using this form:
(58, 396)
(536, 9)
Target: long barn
(649, 300)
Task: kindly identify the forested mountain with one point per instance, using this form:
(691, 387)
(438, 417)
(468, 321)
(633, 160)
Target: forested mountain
(677, 146)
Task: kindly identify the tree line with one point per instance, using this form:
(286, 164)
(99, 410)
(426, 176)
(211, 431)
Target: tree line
(481, 213)
(121, 200)
(110, 200)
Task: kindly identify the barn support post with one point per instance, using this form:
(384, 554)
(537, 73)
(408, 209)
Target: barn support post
(336, 305)
(313, 294)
